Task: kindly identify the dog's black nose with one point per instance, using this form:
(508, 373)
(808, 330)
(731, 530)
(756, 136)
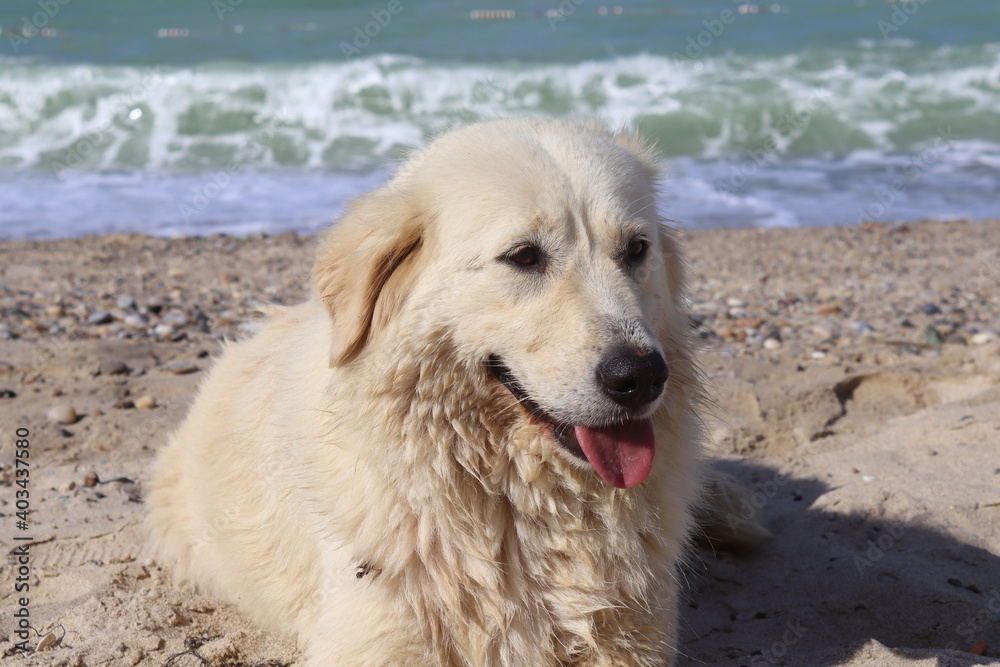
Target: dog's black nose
(632, 378)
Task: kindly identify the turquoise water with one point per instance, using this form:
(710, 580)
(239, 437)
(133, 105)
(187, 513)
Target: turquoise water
(195, 117)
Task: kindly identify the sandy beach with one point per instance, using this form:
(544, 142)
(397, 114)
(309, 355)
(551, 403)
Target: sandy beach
(857, 377)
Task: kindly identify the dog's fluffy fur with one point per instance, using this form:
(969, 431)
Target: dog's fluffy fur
(356, 475)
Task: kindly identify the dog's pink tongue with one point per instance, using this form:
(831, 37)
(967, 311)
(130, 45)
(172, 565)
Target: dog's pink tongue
(621, 454)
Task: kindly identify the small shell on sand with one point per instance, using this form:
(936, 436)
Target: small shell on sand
(49, 641)
(983, 337)
(62, 414)
(100, 317)
(113, 368)
(145, 403)
(180, 367)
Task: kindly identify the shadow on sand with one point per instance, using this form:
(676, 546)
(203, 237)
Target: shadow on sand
(827, 583)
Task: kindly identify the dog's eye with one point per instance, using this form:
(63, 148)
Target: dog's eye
(637, 250)
(528, 255)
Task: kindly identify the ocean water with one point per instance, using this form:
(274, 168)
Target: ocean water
(239, 116)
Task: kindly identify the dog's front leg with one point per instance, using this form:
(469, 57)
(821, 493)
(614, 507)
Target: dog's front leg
(361, 620)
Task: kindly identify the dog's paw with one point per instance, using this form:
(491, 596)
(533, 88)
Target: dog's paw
(727, 518)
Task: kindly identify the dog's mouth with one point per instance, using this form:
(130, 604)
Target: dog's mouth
(621, 453)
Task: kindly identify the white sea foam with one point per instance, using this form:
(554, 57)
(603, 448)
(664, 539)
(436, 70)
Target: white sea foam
(365, 111)
(782, 141)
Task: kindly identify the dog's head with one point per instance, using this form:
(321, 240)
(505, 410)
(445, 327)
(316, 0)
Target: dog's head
(537, 247)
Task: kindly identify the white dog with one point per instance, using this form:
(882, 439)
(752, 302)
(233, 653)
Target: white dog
(476, 443)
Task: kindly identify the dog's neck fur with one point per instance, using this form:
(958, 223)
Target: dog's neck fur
(505, 518)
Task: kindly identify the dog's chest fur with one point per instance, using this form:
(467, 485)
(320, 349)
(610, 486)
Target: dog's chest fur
(505, 552)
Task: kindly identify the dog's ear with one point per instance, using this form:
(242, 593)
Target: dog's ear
(643, 151)
(673, 259)
(646, 155)
(356, 264)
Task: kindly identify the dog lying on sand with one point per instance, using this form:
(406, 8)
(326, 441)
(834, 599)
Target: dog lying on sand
(477, 443)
